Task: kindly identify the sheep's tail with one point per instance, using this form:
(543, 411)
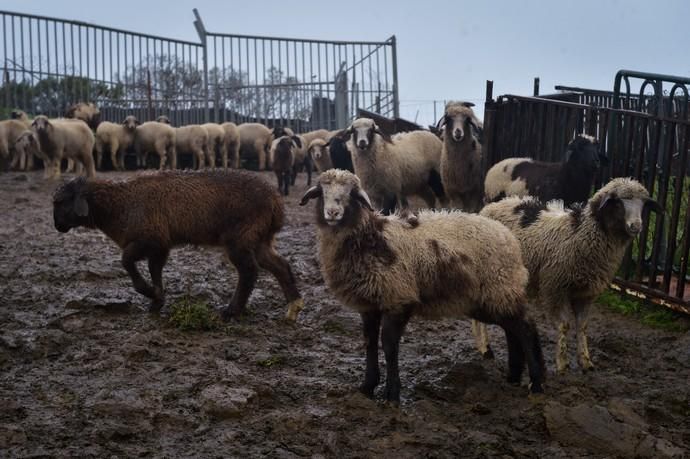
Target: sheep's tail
(277, 215)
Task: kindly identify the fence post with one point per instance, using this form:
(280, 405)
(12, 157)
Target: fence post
(396, 99)
(536, 87)
(201, 30)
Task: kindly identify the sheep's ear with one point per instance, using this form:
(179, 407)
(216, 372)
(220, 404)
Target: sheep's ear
(81, 207)
(608, 199)
(441, 123)
(313, 192)
(654, 206)
(361, 196)
(296, 140)
(385, 136)
(468, 104)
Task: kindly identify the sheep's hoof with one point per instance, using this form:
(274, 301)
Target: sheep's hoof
(156, 305)
(367, 390)
(514, 379)
(586, 368)
(489, 354)
(536, 388)
(294, 307)
(230, 313)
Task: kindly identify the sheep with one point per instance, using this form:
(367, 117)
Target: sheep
(10, 130)
(320, 155)
(153, 136)
(231, 145)
(255, 141)
(573, 253)
(461, 157)
(26, 147)
(339, 151)
(310, 136)
(216, 144)
(191, 138)
(570, 180)
(64, 138)
(87, 112)
(391, 170)
(152, 213)
(116, 138)
(282, 158)
(439, 264)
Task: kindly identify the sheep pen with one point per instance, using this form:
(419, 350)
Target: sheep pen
(87, 371)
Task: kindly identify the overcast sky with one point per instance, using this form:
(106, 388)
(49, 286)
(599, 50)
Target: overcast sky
(446, 49)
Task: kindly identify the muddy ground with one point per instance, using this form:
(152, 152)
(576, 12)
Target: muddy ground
(85, 371)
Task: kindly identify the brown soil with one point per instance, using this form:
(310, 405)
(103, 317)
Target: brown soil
(85, 371)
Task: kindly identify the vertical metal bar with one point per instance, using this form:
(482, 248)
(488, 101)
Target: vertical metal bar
(396, 99)
(14, 66)
(5, 71)
(21, 32)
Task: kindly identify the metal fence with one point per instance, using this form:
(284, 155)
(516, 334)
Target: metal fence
(650, 145)
(49, 64)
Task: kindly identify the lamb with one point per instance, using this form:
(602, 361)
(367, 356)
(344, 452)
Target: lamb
(570, 180)
(461, 157)
(392, 170)
(10, 130)
(255, 141)
(117, 138)
(320, 155)
(150, 214)
(439, 264)
(231, 145)
(216, 144)
(191, 138)
(310, 136)
(87, 112)
(153, 136)
(64, 138)
(283, 152)
(26, 147)
(573, 253)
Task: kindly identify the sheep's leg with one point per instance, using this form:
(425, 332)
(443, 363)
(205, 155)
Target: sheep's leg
(391, 332)
(247, 271)
(581, 322)
(293, 178)
(262, 153)
(481, 338)
(525, 339)
(132, 253)
(309, 167)
(371, 323)
(57, 167)
(562, 343)
(269, 260)
(389, 203)
(23, 161)
(516, 357)
(29, 161)
(200, 158)
(157, 260)
(114, 149)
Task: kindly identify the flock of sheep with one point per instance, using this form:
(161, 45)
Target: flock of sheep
(505, 242)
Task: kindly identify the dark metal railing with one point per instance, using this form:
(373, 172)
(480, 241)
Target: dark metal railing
(650, 145)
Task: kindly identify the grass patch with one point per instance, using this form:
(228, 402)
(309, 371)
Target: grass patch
(193, 314)
(271, 361)
(649, 314)
(333, 327)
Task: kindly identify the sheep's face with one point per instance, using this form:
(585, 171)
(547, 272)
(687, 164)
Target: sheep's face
(27, 143)
(163, 119)
(620, 211)
(340, 197)
(459, 126)
(317, 151)
(18, 115)
(362, 132)
(70, 208)
(130, 123)
(41, 124)
(584, 150)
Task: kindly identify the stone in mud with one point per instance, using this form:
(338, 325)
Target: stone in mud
(594, 428)
(224, 402)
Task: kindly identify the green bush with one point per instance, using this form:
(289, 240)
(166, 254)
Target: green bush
(193, 314)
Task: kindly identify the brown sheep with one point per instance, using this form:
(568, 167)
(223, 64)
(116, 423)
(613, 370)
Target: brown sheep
(87, 112)
(152, 213)
(283, 161)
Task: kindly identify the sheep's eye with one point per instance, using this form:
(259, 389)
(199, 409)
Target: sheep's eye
(337, 200)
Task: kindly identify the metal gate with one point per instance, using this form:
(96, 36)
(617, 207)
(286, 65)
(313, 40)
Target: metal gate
(49, 64)
(644, 135)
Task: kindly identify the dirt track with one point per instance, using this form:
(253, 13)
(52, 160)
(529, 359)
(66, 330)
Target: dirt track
(85, 371)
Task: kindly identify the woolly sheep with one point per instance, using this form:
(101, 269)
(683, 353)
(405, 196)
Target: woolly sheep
(152, 213)
(87, 112)
(283, 160)
(573, 253)
(392, 170)
(116, 138)
(64, 138)
(216, 144)
(231, 145)
(26, 147)
(255, 141)
(10, 130)
(444, 264)
(570, 180)
(320, 155)
(461, 157)
(156, 137)
(191, 138)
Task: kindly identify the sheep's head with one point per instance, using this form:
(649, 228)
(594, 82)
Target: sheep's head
(283, 146)
(163, 119)
(341, 198)
(19, 115)
(362, 132)
(619, 207)
(87, 112)
(281, 131)
(130, 123)
(317, 149)
(459, 122)
(41, 124)
(70, 208)
(583, 150)
(27, 143)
